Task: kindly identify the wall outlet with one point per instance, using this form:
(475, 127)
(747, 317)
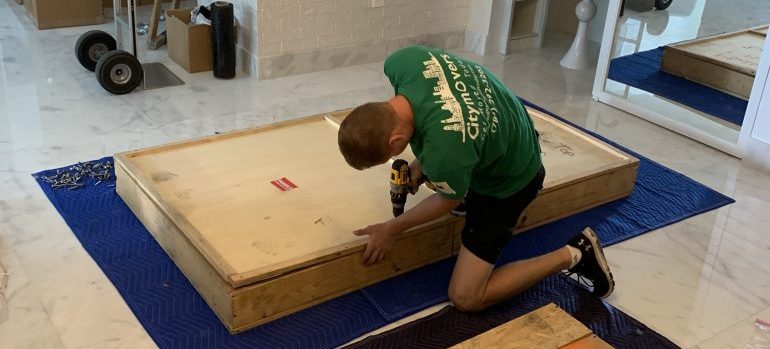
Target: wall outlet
(377, 3)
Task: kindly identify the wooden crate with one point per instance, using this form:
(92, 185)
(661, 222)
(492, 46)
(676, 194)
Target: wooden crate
(726, 62)
(256, 253)
(547, 327)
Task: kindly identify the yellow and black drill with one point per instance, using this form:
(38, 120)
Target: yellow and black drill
(400, 185)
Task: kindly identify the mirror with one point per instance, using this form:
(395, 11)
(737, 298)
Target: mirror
(687, 65)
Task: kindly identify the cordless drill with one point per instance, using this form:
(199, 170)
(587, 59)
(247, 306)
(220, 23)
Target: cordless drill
(399, 185)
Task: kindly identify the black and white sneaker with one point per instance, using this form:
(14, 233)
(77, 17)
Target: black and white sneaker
(592, 270)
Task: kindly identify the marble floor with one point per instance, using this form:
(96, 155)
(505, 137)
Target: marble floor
(701, 282)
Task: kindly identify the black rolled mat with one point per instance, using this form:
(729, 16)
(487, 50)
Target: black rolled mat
(450, 326)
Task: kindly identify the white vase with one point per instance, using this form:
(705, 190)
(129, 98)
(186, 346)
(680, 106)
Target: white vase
(578, 56)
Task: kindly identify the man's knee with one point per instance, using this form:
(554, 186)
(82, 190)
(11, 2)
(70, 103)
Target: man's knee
(464, 301)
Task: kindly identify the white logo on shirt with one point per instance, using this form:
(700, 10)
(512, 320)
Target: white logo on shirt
(455, 122)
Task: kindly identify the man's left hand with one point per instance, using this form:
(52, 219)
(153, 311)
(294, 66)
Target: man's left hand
(381, 238)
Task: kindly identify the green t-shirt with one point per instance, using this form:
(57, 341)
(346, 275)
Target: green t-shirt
(470, 130)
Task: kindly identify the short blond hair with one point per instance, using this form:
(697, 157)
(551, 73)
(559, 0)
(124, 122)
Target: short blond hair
(364, 135)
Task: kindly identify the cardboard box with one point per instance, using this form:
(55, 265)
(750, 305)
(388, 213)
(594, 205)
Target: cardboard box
(188, 45)
(46, 14)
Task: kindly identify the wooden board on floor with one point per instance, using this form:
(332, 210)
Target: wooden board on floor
(727, 62)
(547, 327)
(260, 220)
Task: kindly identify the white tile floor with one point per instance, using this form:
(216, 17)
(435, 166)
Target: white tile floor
(701, 282)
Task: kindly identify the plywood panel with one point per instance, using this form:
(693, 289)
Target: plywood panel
(224, 190)
(547, 327)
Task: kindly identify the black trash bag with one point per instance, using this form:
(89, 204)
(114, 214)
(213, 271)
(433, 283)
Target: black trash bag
(222, 17)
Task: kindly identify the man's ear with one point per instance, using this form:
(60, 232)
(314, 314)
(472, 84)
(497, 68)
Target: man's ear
(397, 143)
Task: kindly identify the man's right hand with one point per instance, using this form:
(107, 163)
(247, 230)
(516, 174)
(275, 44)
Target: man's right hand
(415, 176)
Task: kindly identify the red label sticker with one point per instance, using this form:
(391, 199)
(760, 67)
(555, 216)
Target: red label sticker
(284, 184)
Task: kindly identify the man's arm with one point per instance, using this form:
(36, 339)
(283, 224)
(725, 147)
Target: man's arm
(432, 207)
(382, 235)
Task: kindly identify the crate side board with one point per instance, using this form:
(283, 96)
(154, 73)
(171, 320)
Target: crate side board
(580, 195)
(300, 289)
(185, 255)
(708, 73)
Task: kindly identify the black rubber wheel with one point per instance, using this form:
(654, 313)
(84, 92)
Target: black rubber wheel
(662, 4)
(119, 72)
(93, 45)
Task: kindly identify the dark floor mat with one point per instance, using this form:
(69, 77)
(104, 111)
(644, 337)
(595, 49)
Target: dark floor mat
(450, 326)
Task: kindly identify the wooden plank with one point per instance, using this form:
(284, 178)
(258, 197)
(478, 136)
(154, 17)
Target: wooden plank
(726, 62)
(186, 256)
(266, 301)
(590, 342)
(154, 20)
(547, 327)
(554, 204)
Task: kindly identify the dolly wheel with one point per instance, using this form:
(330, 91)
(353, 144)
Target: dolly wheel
(91, 46)
(119, 72)
(662, 4)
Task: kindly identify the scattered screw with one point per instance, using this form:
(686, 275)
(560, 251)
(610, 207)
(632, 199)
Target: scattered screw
(73, 176)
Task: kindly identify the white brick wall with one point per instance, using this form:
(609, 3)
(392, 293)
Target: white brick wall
(275, 28)
(299, 26)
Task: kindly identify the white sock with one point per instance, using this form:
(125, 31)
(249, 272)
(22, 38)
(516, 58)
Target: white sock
(576, 256)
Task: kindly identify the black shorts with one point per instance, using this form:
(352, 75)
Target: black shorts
(489, 221)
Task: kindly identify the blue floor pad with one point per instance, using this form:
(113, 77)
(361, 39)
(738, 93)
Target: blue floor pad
(175, 316)
(642, 70)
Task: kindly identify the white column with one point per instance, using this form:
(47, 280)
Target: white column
(578, 56)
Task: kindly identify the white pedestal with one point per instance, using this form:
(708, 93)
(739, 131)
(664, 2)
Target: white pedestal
(579, 57)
